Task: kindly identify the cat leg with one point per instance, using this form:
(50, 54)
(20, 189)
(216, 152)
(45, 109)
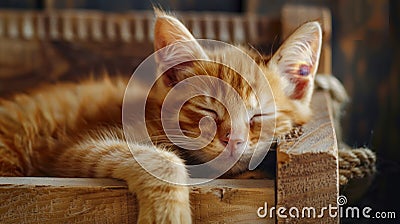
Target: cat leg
(159, 201)
(10, 164)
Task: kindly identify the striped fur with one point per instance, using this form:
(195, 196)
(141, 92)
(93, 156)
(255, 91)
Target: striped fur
(74, 129)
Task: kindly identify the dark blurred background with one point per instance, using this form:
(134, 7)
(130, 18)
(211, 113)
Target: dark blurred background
(366, 54)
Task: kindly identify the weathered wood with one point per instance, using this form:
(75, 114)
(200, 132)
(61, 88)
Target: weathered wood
(232, 201)
(40, 47)
(41, 200)
(307, 169)
(85, 200)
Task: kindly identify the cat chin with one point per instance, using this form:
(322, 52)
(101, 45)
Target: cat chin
(239, 166)
(242, 164)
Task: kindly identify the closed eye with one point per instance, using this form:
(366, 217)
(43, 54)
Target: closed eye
(262, 116)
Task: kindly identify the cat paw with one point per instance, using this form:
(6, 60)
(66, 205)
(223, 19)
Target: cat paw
(333, 85)
(161, 190)
(165, 205)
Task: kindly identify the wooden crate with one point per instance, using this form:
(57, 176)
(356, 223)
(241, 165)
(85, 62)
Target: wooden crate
(75, 42)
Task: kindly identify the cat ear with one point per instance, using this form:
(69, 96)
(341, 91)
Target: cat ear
(297, 61)
(169, 31)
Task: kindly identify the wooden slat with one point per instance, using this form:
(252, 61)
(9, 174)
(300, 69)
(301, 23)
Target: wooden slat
(307, 171)
(59, 45)
(79, 25)
(86, 200)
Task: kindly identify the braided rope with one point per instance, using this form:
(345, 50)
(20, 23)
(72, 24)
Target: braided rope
(355, 163)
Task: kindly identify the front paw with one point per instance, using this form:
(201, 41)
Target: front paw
(165, 204)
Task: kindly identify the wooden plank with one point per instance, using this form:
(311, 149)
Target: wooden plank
(232, 201)
(87, 200)
(57, 200)
(307, 169)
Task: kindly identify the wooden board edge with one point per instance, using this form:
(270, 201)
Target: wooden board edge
(48, 199)
(307, 169)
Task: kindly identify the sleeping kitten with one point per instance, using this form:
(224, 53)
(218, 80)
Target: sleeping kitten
(74, 130)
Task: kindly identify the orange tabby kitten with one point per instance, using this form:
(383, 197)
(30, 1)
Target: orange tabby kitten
(74, 130)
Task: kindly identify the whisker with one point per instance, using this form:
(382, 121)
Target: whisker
(257, 51)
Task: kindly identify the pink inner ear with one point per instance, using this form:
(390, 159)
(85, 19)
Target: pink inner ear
(301, 86)
(299, 76)
(297, 60)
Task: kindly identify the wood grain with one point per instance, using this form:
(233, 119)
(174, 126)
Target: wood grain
(307, 169)
(86, 200)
